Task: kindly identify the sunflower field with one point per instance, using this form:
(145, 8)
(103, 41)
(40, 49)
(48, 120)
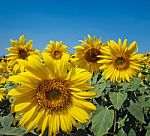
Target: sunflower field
(102, 89)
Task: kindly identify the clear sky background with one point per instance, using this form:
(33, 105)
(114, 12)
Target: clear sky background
(71, 20)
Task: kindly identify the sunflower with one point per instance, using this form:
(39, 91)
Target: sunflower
(2, 93)
(87, 53)
(120, 62)
(20, 50)
(4, 71)
(50, 96)
(57, 50)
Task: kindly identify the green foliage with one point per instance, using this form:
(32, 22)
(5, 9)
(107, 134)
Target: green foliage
(136, 111)
(148, 130)
(117, 99)
(121, 132)
(7, 120)
(102, 120)
(12, 131)
(132, 133)
(124, 108)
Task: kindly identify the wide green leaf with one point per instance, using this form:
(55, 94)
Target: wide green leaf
(94, 79)
(7, 120)
(102, 121)
(135, 84)
(121, 133)
(99, 87)
(12, 131)
(148, 130)
(131, 132)
(117, 98)
(136, 111)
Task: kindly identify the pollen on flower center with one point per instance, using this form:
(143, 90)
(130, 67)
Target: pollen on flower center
(53, 94)
(57, 55)
(23, 54)
(91, 55)
(121, 63)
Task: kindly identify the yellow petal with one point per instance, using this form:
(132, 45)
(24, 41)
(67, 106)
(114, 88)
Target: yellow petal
(22, 105)
(79, 77)
(132, 47)
(25, 79)
(84, 104)
(84, 86)
(50, 64)
(19, 90)
(79, 114)
(56, 123)
(35, 66)
(44, 122)
(84, 95)
(61, 67)
(27, 115)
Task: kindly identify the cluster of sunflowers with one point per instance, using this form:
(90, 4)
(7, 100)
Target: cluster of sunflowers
(50, 89)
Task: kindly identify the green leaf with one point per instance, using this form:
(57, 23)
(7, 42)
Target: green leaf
(7, 120)
(135, 84)
(117, 98)
(102, 121)
(121, 133)
(82, 126)
(12, 131)
(144, 102)
(132, 133)
(136, 111)
(143, 89)
(148, 130)
(125, 86)
(94, 79)
(99, 87)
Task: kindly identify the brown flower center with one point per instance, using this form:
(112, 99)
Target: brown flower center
(121, 63)
(23, 54)
(53, 94)
(91, 55)
(57, 55)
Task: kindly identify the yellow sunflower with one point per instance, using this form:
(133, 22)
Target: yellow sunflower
(120, 62)
(4, 71)
(20, 50)
(87, 53)
(57, 50)
(2, 93)
(51, 97)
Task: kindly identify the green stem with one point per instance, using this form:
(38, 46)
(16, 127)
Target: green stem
(114, 120)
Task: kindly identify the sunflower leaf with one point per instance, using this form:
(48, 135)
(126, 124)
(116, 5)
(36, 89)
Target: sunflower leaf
(132, 133)
(121, 133)
(94, 79)
(135, 84)
(102, 121)
(148, 130)
(136, 111)
(7, 120)
(12, 131)
(99, 87)
(117, 98)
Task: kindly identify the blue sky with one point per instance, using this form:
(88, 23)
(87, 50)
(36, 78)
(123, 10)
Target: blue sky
(71, 20)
